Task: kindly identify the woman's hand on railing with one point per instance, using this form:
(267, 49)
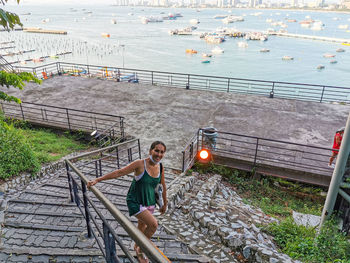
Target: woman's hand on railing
(92, 183)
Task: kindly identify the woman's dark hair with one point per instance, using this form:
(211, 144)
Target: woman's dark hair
(155, 143)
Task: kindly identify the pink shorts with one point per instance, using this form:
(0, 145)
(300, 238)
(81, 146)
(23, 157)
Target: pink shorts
(150, 208)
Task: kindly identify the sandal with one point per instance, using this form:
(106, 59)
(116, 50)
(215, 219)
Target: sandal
(140, 255)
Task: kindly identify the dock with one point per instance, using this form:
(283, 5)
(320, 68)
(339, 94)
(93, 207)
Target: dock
(44, 31)
(321, 38)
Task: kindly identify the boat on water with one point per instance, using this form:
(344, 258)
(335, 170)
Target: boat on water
(105, 35)
(191, 51)
(217, 50)
(340, 50)
(220, 16)
(319, 67)
(206, 55)
(333, 61)
(242, 44)
(113, 21)
(194, 21)
(206, 61)
(328, 55)
(264, 50)
(345, 44)
(343, 26)
(287, 58)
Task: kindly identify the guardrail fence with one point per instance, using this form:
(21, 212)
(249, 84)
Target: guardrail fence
(261, 153)
(102, 223)
(272, 89)
(108, 128)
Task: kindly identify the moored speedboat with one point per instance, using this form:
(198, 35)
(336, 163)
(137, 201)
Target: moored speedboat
(287, 58)
(217, 50)
(328, 55)
(340, 50)
(205, 61)
(319, 67)
(333, 61)
(191, 51)
(206, 55)
(264, 50)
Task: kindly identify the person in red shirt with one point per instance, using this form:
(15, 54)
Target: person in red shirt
(336, 145)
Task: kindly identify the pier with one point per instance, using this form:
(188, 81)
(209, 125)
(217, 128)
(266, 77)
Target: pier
(44, 31)
(321, 38)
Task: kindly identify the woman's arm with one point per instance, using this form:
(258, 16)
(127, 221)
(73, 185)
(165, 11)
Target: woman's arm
(165, 200)
(132, 167)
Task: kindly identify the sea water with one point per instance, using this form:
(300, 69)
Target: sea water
(150, 47)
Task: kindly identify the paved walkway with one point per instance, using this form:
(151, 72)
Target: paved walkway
(174, 115)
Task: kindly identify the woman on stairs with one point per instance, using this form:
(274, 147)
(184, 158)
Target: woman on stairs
(141, 199)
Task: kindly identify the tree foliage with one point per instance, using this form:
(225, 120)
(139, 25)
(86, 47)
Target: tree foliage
(7, 19)
(14, 80)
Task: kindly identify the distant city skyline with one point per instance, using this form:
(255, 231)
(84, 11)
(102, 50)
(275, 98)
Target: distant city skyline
(93, 2)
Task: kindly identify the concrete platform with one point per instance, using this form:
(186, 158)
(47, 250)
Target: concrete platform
(174, 115)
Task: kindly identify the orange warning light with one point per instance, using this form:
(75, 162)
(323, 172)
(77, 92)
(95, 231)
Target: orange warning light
(204, 154)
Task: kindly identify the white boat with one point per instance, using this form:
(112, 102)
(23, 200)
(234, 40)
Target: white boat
(194, 21)
(319, 67)
(328, 55)
(340, 50)
(207, 55)
(220, 16)
(242, 44)
(113, 21)
(287, 58)
(264, 50)
(343, 26)
(217, 50)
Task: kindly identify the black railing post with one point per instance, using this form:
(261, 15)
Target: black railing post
(88, 70)
(138, 143)
(130, 155)
(100, 166)
(69, 183)
(75, 193)
(256, 150)
(68, 120)
(96, 168)
(117, 155)
(228, 85)
(122, 128)
(272, 92)
(152, 78)
(183, 161)
(20, 105)
(188, 82)
(322, 93)
(109, 245)
(87, 215)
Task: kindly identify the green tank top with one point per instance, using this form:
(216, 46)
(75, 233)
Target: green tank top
(142, 187)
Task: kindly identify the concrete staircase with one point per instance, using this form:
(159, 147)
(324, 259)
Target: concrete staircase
(40, 224)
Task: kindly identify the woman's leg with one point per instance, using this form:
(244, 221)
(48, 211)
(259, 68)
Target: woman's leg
(148, 222)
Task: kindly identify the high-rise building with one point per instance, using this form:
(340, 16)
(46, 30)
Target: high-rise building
(251, 3)
(294, 2)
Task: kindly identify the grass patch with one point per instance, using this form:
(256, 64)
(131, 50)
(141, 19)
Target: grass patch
(50, 146)
(23, 148)
(303, 243)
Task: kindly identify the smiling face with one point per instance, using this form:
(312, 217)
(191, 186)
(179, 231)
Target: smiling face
(157, 152)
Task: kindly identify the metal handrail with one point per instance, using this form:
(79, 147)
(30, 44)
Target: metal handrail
(153, 253)
(260, 151)
(278, 89)
(66, 117)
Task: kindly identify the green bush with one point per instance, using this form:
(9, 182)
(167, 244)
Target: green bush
(303, 243)
(16, 154)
